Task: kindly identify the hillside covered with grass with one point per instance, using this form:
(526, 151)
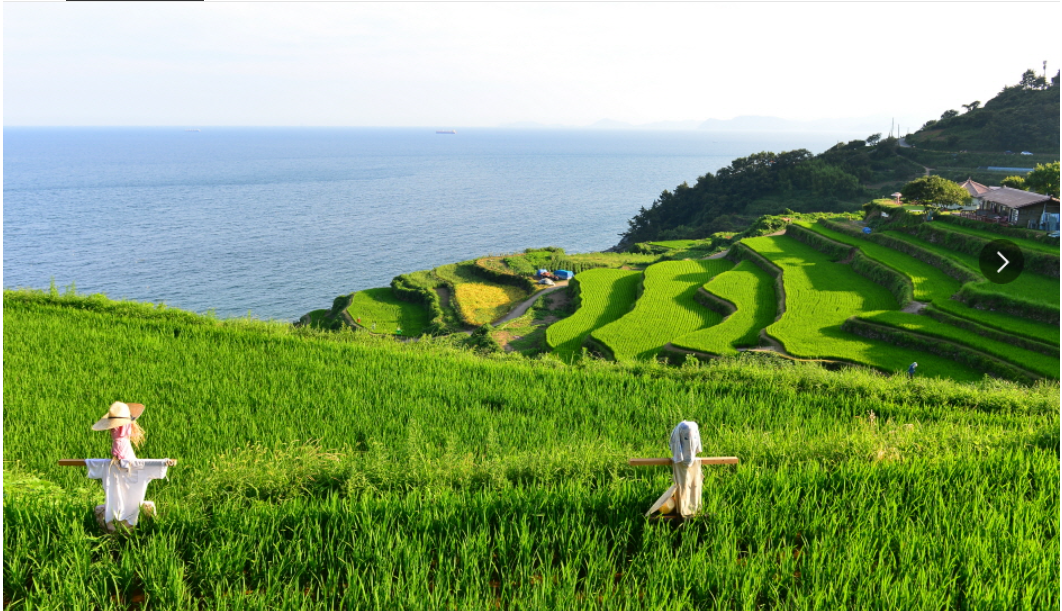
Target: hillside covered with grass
(1021, 117)
(321, 470)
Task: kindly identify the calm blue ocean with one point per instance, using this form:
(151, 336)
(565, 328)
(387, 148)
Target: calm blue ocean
(276, 222)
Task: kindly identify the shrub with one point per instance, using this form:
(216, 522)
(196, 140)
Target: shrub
(407, 288)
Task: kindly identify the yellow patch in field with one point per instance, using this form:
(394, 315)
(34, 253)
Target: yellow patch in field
(480, 304)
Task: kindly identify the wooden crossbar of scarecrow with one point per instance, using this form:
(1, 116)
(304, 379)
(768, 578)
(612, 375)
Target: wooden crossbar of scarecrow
(683, 498)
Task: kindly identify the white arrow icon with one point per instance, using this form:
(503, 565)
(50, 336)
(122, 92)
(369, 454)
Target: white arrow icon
(1005, 262)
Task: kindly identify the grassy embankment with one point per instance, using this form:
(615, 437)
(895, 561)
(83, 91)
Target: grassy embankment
(440, 479)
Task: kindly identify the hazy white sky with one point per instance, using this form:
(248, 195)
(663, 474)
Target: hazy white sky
(483, 64)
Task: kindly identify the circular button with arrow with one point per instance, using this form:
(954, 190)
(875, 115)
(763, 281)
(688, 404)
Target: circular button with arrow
(1001, 261)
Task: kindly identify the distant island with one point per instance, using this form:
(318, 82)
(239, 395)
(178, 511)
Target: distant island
(737, 124)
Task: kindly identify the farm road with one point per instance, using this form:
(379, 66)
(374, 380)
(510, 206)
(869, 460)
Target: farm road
(519, 310)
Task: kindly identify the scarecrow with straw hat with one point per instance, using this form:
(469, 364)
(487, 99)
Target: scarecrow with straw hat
(124, 476)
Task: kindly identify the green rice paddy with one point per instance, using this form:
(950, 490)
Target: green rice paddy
(605, 295)
(929, 282)
(988, 235)
(751, 290)
(820, 295)
(666, 310)
(1039, 364)
(1033, 287)
(381, 312)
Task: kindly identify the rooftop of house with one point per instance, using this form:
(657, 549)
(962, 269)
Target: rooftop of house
(1013, 198)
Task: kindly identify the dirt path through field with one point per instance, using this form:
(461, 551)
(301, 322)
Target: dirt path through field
(915, 307)
(519, 310)
(444, 295)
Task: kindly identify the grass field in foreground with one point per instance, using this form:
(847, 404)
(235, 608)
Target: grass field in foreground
(666, 310)
(380, 311)
(820, 295)
(1040, 364)
(751, 290)
(605, 295)
(439, 479)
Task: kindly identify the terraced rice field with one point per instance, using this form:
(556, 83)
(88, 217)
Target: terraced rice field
(477, 301)
(481, 303)
(1033, 287)
(605, 296)
(1004, 322)
(929, 283)
(677, 244)
(749, 288)
(666, 310)
(820, 295)
(988, 235)
(934, 286)
(1039, 364)
(381, 312)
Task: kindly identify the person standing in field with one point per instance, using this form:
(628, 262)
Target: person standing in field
(911, 371)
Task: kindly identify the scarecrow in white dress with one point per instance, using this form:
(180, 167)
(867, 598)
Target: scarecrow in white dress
(684, 496)
(124, 477)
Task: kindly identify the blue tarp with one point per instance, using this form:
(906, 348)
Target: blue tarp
(541, 272)
(564, 274)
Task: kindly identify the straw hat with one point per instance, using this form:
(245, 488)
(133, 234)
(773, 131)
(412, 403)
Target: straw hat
(120, 414)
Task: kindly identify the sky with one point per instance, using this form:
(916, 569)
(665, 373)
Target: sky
(490, 64)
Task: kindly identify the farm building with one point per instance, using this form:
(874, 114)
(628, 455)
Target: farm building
(976, 190)
(563, 274)
(1016, 207)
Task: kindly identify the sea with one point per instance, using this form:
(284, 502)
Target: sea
(275, 222)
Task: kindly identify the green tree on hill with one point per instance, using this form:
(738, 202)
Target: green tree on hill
(1044, 179)
(1014, 182)
(935, 191)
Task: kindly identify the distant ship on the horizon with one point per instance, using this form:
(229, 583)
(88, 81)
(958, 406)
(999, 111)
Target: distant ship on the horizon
(193, 130)
(446, 131)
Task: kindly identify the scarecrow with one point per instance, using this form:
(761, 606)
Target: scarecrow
(124, 476)
(684, 496)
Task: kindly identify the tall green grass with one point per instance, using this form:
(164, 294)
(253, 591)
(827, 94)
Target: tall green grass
(751, 290)
(436, 478)
(666, 310)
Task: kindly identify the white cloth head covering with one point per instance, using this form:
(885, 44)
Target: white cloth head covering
(685, 442)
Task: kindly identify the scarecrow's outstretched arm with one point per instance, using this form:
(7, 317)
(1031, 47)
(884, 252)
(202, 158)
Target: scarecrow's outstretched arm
(80, 462)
